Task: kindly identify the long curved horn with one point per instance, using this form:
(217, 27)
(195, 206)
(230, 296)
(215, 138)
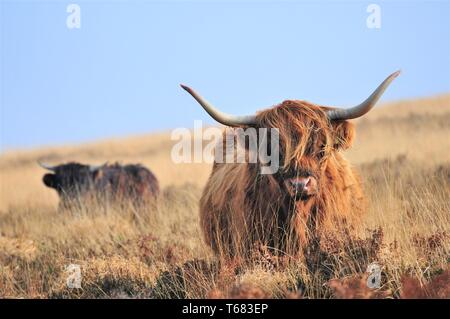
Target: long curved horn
(364, 107)
(46, 166)
(219, 116)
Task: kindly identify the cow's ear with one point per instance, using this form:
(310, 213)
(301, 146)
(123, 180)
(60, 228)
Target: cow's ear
(49, 180)
(344, 134)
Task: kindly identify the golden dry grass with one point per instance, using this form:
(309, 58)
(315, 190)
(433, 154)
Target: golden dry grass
(403, 153)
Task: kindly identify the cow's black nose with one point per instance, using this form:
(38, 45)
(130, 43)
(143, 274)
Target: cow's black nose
(298, 185)
(302, 187)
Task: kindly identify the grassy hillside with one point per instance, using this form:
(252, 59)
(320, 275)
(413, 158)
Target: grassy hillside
(403, 153)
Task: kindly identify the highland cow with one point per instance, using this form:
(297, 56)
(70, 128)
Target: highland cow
(116, 183)
(314, 192)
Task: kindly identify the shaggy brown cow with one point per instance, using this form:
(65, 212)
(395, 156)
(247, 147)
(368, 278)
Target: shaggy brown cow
(74, 181)
(314, 191)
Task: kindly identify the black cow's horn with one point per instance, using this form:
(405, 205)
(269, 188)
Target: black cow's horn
(361, 109)
(219, 116)
(46, 166)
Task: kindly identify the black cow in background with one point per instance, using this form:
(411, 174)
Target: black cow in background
(116, 183)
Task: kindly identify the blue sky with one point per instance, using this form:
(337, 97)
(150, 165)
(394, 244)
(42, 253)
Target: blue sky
(119, 73)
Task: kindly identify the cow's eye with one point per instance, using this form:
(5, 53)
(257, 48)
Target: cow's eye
(321, 153)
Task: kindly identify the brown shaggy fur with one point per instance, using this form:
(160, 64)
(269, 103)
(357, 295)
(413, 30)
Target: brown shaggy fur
(241, 207)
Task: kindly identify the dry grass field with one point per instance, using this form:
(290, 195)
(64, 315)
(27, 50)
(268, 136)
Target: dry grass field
(402, 151)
